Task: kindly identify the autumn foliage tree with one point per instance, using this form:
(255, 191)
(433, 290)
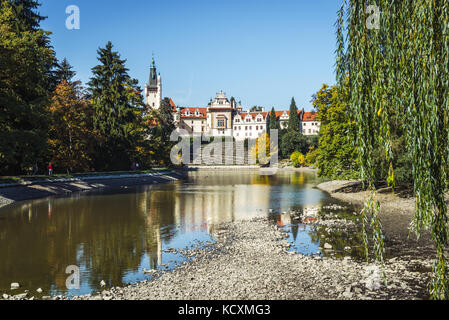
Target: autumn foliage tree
(71, 136)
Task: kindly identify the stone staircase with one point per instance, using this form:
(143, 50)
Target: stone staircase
(227, 158)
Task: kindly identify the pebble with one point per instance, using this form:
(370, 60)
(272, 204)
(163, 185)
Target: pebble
(249, 261)
(15, 286)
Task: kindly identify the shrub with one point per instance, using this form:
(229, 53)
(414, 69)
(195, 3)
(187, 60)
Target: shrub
(311, 157)
(298, 159)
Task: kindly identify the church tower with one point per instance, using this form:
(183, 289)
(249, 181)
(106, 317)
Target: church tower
(153, 90)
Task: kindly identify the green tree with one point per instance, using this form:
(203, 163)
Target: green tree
(160, 131)
(64, 72)
(293, 141)
(117, 104)
(293, 119)
(26, 17)
(26, 58)
(273, 122)
(337, 157)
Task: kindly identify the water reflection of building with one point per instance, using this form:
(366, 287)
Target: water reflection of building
(209, 205)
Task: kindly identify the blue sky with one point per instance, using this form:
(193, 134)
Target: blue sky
(261, 52)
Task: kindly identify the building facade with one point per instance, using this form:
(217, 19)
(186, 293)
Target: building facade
(223, 118)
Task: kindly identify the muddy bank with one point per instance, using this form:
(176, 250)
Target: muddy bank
(396, 215)
(250, 260)
(45, 189)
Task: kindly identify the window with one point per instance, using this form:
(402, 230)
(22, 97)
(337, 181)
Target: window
(221, 123)
(257, 127)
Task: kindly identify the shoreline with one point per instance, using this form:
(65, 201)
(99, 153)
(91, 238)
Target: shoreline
(251, 261)
(15, 192)
(43, 189)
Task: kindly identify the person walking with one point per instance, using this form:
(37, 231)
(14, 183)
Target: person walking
(50, 169)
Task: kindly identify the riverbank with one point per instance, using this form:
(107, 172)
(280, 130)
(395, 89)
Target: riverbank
(47, 188)
(251, 261)
(396, 214)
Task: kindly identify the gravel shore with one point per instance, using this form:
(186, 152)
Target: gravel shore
(251, 261)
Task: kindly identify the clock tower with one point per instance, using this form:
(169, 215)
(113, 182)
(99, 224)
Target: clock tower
(153, 89)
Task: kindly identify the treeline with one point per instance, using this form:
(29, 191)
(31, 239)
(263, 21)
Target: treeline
(48, 117)
(291, 139)
(337, 155)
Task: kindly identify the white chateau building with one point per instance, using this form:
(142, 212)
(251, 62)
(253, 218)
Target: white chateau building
(223, 118)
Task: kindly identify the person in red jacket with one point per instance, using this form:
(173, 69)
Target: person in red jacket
(50, 169)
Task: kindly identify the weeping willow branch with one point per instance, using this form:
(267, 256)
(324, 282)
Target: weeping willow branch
(398, 75)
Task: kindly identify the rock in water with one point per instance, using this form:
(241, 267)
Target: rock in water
(15, 286)
(102, 283)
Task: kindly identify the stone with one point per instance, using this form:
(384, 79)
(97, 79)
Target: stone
(39, 290)
(102, 283)
(5, 296)
(21, 296)
(327, 246)
(15, 286)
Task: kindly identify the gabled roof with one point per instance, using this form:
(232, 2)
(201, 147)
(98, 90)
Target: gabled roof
(309, 116)
(281, 113)
(202, 113)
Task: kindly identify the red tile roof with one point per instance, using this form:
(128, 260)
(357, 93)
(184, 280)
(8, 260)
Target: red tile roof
(280, 113)
(202, 113)
(309, 116)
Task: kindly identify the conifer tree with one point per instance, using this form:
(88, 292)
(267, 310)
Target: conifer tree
(117, 102)
(293, 120)
(64, 71)
(274, 123)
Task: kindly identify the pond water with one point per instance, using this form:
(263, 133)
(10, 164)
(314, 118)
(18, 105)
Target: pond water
(115, 235)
